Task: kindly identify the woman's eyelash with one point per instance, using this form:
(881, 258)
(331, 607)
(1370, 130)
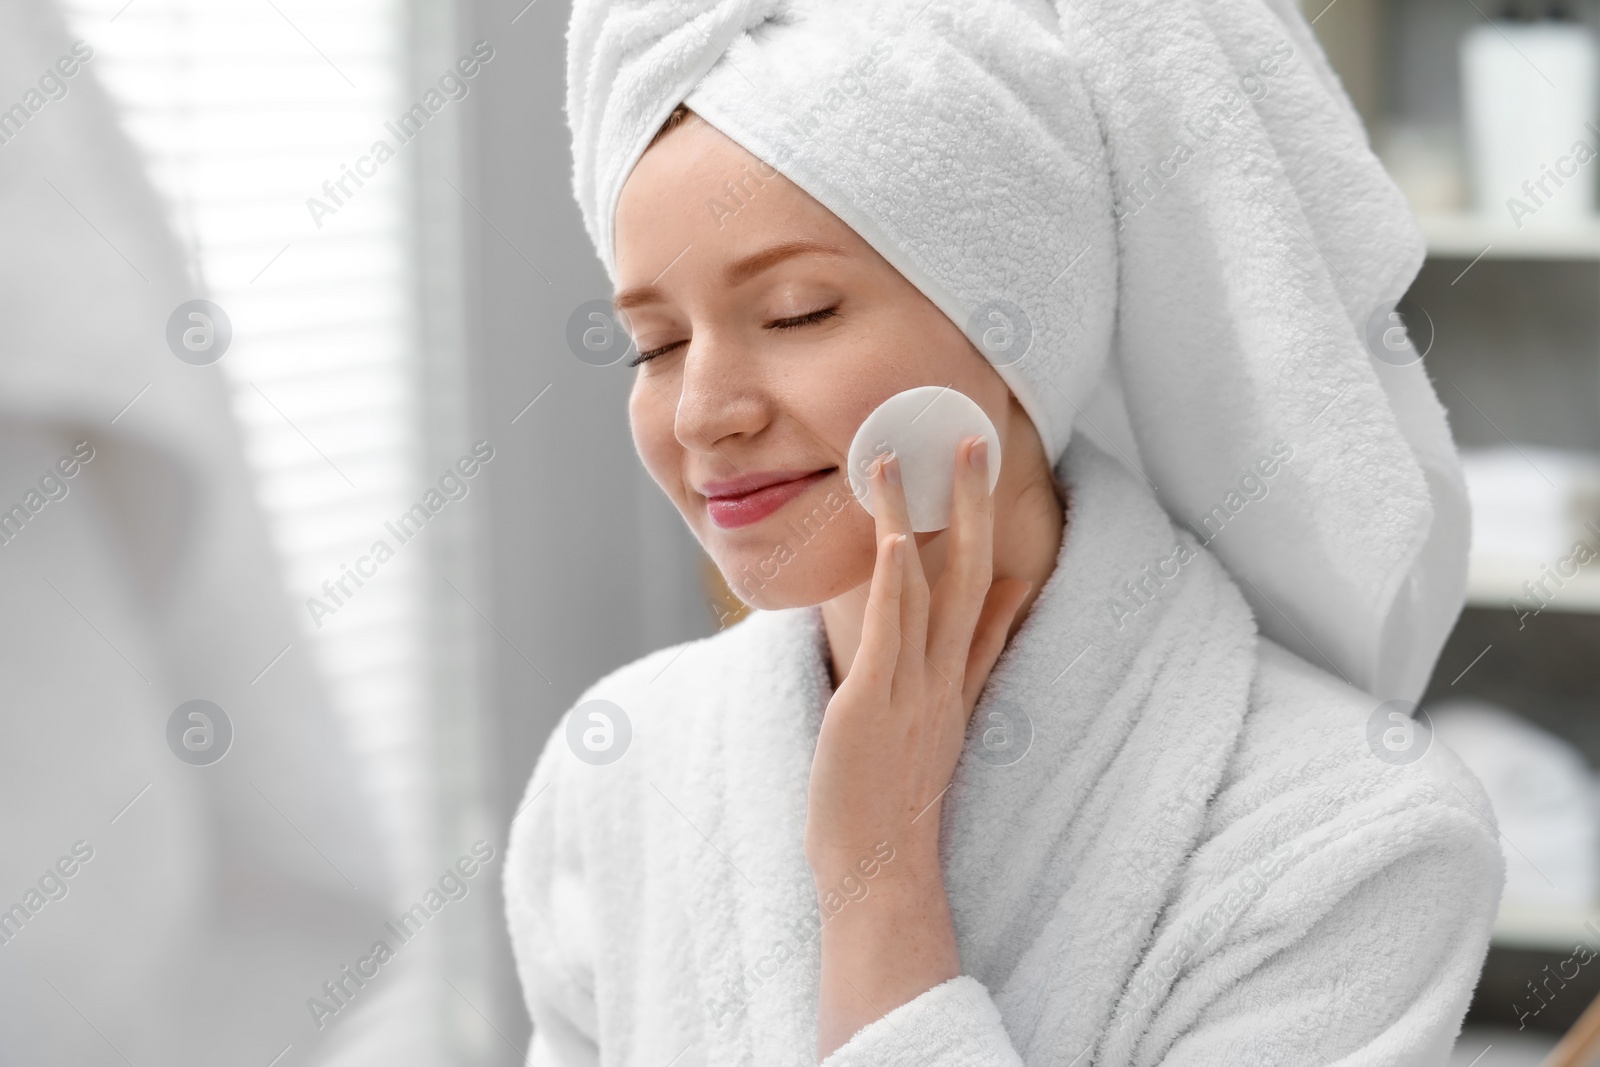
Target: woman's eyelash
(777, 324)
(645, 357)
(806, 319)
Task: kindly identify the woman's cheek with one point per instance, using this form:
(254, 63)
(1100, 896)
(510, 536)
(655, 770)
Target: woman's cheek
(657, 444)
(834, 550)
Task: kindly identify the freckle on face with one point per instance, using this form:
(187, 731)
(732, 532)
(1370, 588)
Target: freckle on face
(741, 398)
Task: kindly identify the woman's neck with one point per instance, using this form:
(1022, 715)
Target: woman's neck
(1029, 524)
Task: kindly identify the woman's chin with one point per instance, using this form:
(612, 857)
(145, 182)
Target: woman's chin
(761, 584)
(771, 599)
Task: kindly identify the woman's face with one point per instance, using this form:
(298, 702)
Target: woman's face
(768, 330)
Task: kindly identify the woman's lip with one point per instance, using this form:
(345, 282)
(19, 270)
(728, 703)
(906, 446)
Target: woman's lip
(749, 482)
(730, 512)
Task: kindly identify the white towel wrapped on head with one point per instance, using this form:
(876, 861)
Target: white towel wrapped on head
(1161, 221)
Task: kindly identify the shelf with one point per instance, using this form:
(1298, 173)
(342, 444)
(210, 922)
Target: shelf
(1548, 928)
(1466, 236)
(1492, 583)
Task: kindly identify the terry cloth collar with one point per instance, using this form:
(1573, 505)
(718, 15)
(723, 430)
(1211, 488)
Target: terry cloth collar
(1073, 781)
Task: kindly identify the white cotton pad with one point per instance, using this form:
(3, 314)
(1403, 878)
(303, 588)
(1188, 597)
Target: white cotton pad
(922, 426)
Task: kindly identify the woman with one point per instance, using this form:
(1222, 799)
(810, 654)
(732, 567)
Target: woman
(1117, 768)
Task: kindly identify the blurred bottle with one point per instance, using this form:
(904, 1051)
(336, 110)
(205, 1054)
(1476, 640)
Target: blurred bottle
(1528, 108)
(1425, 161)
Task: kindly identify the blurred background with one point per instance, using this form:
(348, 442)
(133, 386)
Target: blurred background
(318, 504)
(1485, 114)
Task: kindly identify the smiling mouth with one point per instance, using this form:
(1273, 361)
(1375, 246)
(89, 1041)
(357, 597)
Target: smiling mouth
(732, 510)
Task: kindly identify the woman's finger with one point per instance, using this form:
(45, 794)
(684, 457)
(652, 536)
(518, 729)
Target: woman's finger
(879, 651)
(889, 493)
(963, 584)
(989, 637)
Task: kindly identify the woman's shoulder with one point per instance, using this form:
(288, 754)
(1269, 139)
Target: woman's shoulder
(672, 680)
(1347, 857)
(588, 802)
(632, 718)
(1323, 766)
(1305, 727)
(1315, 743)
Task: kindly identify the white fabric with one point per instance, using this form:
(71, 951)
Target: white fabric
(1172, 195)
(1178, 764)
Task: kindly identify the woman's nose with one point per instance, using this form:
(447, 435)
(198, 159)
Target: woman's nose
(722, 394)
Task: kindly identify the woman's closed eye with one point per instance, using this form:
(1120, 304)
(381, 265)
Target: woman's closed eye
(804, 320)
(807, 319)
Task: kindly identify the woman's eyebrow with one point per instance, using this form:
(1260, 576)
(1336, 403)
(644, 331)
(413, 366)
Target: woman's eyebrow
(739, 271)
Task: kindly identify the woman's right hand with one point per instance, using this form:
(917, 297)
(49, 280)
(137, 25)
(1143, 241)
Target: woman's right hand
(894, 730)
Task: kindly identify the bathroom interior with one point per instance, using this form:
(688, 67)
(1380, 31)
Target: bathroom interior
(372, 343)
(1485, 115)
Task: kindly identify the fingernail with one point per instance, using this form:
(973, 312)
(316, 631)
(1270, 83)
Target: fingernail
(891, 469)
(979, 456)
(897, 553)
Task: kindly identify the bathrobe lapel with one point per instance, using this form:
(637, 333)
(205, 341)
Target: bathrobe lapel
(1133, 669)
(1098, 740)
(746, 773)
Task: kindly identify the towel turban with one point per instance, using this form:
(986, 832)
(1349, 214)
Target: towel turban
(1160, 220)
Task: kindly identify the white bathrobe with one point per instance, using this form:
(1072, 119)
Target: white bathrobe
(1199, 858)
